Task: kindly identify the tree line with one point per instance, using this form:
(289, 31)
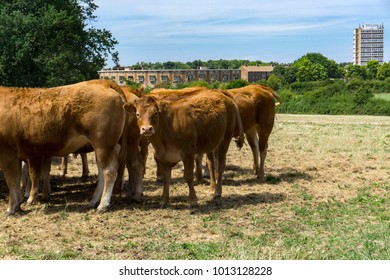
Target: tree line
(196, 64)
(47, 43)
(314, 84)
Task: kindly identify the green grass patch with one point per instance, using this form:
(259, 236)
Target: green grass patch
(383, 96)
(357, 229)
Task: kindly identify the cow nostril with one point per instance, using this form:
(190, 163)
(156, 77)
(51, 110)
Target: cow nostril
(147, 129)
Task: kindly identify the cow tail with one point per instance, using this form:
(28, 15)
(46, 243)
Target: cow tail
(240, 139)
(277, 98)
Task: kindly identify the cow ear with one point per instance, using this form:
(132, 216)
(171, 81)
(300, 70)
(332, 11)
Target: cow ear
(130, 108)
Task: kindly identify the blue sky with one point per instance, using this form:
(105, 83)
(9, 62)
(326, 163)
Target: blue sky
(271, 30)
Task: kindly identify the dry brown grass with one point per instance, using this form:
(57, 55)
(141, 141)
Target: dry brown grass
(311, 160)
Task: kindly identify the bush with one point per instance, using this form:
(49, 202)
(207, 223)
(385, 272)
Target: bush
(362, 96)
(236, 84)
(334, 97)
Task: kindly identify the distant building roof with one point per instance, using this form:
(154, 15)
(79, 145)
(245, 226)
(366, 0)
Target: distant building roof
(266, 68)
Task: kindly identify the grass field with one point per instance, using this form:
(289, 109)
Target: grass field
(384, 96)
(327, 196)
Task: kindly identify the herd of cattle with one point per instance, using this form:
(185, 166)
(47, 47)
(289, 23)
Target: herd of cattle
(118, 123)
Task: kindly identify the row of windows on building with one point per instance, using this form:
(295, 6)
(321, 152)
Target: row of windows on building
(372, 50)
(159, 77)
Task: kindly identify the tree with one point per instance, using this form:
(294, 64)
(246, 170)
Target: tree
(372, 69)
(320, 63)
(51, 42)
(384, 71)
(356, 71)
(309, 71)
(275, 82)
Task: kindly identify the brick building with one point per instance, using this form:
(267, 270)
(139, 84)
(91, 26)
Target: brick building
(152, 78)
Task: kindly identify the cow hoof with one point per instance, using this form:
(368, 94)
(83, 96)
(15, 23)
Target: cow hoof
(217, 200)
(194, 209)
(13, 211)
(261, 179)
(9, 213)
(101, 210)
(134, 198)
(30, 203)
(93, 205)
(163, 205)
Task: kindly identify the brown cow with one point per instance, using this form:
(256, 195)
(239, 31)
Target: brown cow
(137, 150)
(257, 108)
(37, 123)
(179, 129)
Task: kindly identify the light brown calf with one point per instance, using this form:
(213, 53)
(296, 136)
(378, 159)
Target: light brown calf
(181, 128)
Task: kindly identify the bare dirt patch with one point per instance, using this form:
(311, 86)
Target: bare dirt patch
(310, 158)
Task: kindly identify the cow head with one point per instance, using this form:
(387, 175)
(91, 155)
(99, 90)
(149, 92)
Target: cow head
(147, 112)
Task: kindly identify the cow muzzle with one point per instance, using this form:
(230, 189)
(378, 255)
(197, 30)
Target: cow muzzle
(147, 130)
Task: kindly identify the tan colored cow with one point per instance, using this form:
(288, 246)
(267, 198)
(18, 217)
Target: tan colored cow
(137, 150)
(203, 122)
(257, 108)
(36, 123)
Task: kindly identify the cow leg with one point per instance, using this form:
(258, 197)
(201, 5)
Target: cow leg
(46, 188)
(107, 160)
(263, 155)
(144, 147)
(263, 146)
(64, 165)
(159, 176)
(251, 136)
(26, 182)
(135, 167)
(118, 185)
(206, 173)
(165, 171)
(221, 163)
(35, 170)
(188, 163)
(211, 166)
(12, 174)
(97, 194)
(198, 168)
(84, 160)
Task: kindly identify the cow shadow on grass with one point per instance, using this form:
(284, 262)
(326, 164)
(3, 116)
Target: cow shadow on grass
(70, 194)
(73, 193)
(180, 202)
(233, 176)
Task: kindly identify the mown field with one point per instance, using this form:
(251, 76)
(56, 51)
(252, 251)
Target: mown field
(326, 197)
(384, 96)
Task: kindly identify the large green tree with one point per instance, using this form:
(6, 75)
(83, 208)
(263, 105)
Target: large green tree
(356, 71)
(384, 71)
(372, 69)
(51, 42)
(315, 67)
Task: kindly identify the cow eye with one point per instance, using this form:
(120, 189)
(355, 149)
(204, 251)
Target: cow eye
(156, 114)
(137, 114)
